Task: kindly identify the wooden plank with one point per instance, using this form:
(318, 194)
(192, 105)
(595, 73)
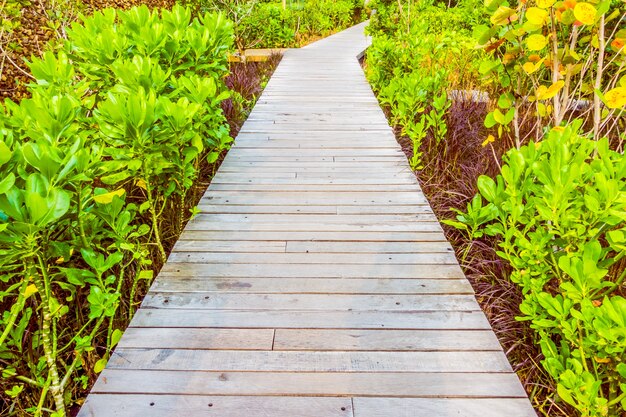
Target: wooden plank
(368, 247)
(324, 302)
(475, 407)
(230, 339)
(318, 199)
(293, 270)
(386, 340)
(287, 235)
(320, 152)
(314, 258)
(314, 285)
(225, 208)
(306, 361)
(315, 218)
(291, 319)
(135, 405)
(355, 226)
(230, 246)
(304, 188)
(448, 385)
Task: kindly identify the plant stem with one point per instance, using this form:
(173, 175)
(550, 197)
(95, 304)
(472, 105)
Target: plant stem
(15, 310)
(598, 84)
(55, 384)
(155, 222)
(555, 70)
(79, 219)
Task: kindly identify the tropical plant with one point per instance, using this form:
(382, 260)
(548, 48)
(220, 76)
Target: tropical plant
(558, 210)
(93, 164)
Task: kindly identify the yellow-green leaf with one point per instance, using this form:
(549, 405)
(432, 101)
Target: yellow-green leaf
(115, 337)
(585, 13)
(545, 93)
(536, 42)
(5, 153)
(107, 198)
(544, 4)
(615, 98)
(503, 16)
(99, 366)
(30, 290)
(536, 16)
(531, 67)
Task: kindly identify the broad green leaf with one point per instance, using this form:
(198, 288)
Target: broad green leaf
(5, 153)
(7, 183)
(107, 198)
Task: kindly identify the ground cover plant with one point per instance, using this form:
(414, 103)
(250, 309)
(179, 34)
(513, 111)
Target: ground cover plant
(542, 242)
(96, 167)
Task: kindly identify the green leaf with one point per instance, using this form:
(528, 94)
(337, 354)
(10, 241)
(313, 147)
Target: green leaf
(7, 183)
(5, 153)
(487, 187)
(107, 198)
(115, 337)
(100, 365)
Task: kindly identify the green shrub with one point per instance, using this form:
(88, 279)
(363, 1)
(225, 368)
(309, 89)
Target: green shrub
(558, 209)
(413, 63)
(108, 145)
(266, 24)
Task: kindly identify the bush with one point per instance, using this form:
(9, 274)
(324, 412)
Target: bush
(265, 24)
(413, 63)
(558, 209)
(108, 146)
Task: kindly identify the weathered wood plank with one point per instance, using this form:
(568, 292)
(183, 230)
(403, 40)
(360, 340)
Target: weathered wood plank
(291, 319)
(317, 218)
(314, 258)
(313, 236)
(352, 286)
(292, 270)
(475, 407)
(368, 247)
(306, 361)
(310, 209)
(330, 188)
(386, 340)
(324, 302)
(136, 405)
(422, 226)
(319, 198)
(173, 338)
(230, 246)
(461, 385)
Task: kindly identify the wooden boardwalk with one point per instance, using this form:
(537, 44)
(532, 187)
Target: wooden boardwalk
(316, 282)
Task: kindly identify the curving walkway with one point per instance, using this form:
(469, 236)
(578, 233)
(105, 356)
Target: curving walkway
(316, 282)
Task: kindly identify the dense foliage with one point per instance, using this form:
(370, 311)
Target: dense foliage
(413, 63)
(268, 24)
(95, 169)
(559, 210)
(555, 212)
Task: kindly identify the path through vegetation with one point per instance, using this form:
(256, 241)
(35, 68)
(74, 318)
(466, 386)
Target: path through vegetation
(316, 282)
